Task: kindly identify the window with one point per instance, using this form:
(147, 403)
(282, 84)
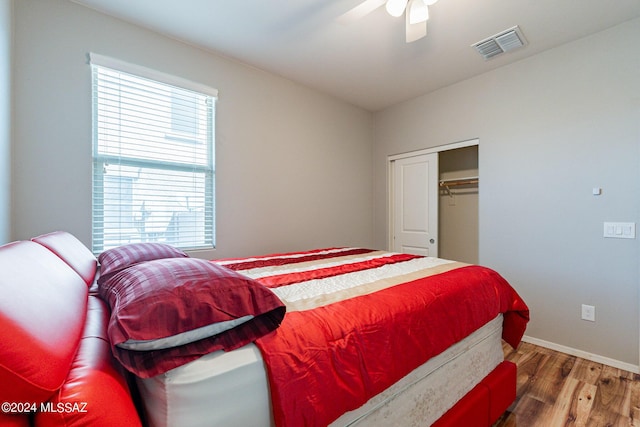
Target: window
(153, 158)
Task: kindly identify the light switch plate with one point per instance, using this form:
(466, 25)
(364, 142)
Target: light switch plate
(620, 230)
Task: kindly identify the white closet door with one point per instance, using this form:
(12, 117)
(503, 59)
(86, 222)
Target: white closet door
(415, 205)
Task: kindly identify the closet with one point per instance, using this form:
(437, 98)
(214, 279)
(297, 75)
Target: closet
(458, 204)
(433, 201)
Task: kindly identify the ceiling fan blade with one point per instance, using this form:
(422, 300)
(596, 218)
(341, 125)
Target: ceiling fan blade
(360, 11)
(415, 31)
(417, 11)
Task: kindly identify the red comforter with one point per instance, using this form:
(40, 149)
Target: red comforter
(332, 355)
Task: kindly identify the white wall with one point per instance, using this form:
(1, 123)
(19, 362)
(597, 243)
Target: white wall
(551, 128)
(6, 29)
(293, 165)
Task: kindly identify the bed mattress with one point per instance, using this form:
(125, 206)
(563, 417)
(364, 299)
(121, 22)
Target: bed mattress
(231, 388)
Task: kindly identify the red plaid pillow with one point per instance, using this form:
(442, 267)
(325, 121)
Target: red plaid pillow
(117, 259)
(168, 312)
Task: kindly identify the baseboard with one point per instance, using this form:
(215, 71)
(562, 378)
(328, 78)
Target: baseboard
(583, 354)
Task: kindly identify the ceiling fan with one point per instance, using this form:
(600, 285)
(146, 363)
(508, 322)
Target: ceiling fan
(416, 14)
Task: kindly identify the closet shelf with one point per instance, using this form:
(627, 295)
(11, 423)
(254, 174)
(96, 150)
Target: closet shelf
(454, 182)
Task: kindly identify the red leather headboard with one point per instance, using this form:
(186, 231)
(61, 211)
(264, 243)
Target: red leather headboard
(72, 251)
(43, 305)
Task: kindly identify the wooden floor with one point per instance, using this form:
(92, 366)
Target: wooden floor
(556, 389)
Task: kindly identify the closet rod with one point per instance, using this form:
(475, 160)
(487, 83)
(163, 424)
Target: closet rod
(446, 183)
(455, 182)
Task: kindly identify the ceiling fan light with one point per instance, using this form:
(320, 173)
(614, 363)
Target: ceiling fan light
(396, 8)
(418, 11)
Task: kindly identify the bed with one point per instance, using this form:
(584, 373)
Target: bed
(369, 338)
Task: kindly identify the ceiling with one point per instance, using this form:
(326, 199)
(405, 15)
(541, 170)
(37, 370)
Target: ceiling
(367, 62)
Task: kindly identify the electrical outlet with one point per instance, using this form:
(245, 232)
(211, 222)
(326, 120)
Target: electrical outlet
(588, 313)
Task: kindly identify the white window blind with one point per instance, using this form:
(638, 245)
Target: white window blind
(153, 158)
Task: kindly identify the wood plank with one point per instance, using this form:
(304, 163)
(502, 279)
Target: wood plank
(555, 389)
(542, 375)
(634, 400)
(587, 371)
(612, 398)
(528, 411)
(573, 405)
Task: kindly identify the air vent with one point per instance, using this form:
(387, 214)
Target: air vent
(502, 42)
